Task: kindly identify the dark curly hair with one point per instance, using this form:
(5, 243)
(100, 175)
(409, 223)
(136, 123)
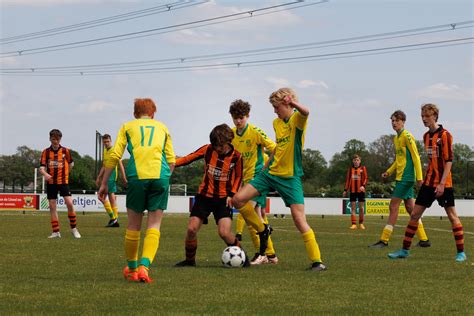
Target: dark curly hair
(239, 108)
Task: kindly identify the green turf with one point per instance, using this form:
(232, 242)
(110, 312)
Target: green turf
(68, 276)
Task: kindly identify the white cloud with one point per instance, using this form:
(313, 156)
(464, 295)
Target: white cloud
(446, 91)
(242, 27)
(309, 83)
(95, 107)
(9, 61)
(38, 3)
(278, 82)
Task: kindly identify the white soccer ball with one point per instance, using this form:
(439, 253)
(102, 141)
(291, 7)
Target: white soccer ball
(233, 257)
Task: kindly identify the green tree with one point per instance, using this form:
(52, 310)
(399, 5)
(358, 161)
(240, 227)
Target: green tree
(463, 154)
(314, 168)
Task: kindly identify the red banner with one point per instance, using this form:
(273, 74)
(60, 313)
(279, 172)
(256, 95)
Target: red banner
(18, 202)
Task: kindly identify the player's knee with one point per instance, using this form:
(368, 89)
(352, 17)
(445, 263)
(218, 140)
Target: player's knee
(237, 201)
(192, 232)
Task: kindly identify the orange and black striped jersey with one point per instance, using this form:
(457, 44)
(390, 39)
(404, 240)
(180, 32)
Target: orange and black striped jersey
(355, 178)
(57, 164)
(439, 147)
(222, 173)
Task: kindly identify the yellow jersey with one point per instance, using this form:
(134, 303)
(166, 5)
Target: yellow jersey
(287, 161)
(106, 157)
(251, 144)
(407, 163)
(150, 147)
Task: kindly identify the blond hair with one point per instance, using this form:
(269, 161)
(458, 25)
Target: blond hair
(431, 108)
(279, 95)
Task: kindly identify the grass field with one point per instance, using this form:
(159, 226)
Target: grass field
(68, 276)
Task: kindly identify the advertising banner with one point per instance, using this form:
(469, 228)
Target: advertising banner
(373, 207)
(19, 202)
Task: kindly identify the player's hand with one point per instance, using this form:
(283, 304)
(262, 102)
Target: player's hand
(103, 191)
(362, 189)
(419, 183)
(287, 99)
(229, 202)
(48, 177)
(344, 194)
(385, 175)
(439, 190)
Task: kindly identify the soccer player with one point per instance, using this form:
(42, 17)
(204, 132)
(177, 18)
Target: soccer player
(222, 178)
(437, 184)
(110, 205)
(356, 180)
(251, 141)
(285, 168)
(407, 167)
(148, 171)
(56, 163)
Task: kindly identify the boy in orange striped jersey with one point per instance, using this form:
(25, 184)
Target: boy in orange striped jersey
(356, 180)
(56, 162)
(222, 178)
(437, 184)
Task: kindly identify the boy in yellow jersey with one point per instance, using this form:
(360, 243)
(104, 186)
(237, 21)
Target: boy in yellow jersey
(285, 168)
(407, 167)
(110, 205)
(151, 163)
(251, 141)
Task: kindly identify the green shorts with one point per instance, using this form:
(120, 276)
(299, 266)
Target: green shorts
(403, 190)
(290, 189)
(149, 194)
(112, 185)
(261, 200)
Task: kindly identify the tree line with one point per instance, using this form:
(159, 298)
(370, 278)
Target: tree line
(321, 178)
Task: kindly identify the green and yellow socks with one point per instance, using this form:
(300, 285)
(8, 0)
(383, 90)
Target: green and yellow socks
(150, 247)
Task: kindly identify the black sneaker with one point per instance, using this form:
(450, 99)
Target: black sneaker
(318, 266)
(264, 238)
(239, 237)
(109, 223)
(424, 244)
(115, 224)
(379, 244)
(186, 263)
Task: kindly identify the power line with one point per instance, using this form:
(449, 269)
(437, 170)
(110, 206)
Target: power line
(265, 51)
(100, 22)
(165, 29)
(254, 63)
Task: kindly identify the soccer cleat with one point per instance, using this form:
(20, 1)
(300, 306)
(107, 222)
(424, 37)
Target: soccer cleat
(423, 243)
(130, 276)
(239, 237)
(399, 254)
(186, 263)
(109, 223)
(115, 223)
(461, 256)
(353, 227)
(143, 275)
(272, 259)
(75, 233)
(318, 266)
(379, 244)
(54, 235)
(361, 226)
(259, 260)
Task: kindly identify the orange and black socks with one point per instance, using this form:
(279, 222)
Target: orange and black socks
(409, 233)
(458, 234)
(55, 226)
(190, 247)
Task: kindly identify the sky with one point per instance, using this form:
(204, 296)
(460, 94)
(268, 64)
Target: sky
(348, 97)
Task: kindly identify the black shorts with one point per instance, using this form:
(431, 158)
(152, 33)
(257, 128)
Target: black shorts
(357, 196)
(204, 206)
(53, 189)
(426, 197)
